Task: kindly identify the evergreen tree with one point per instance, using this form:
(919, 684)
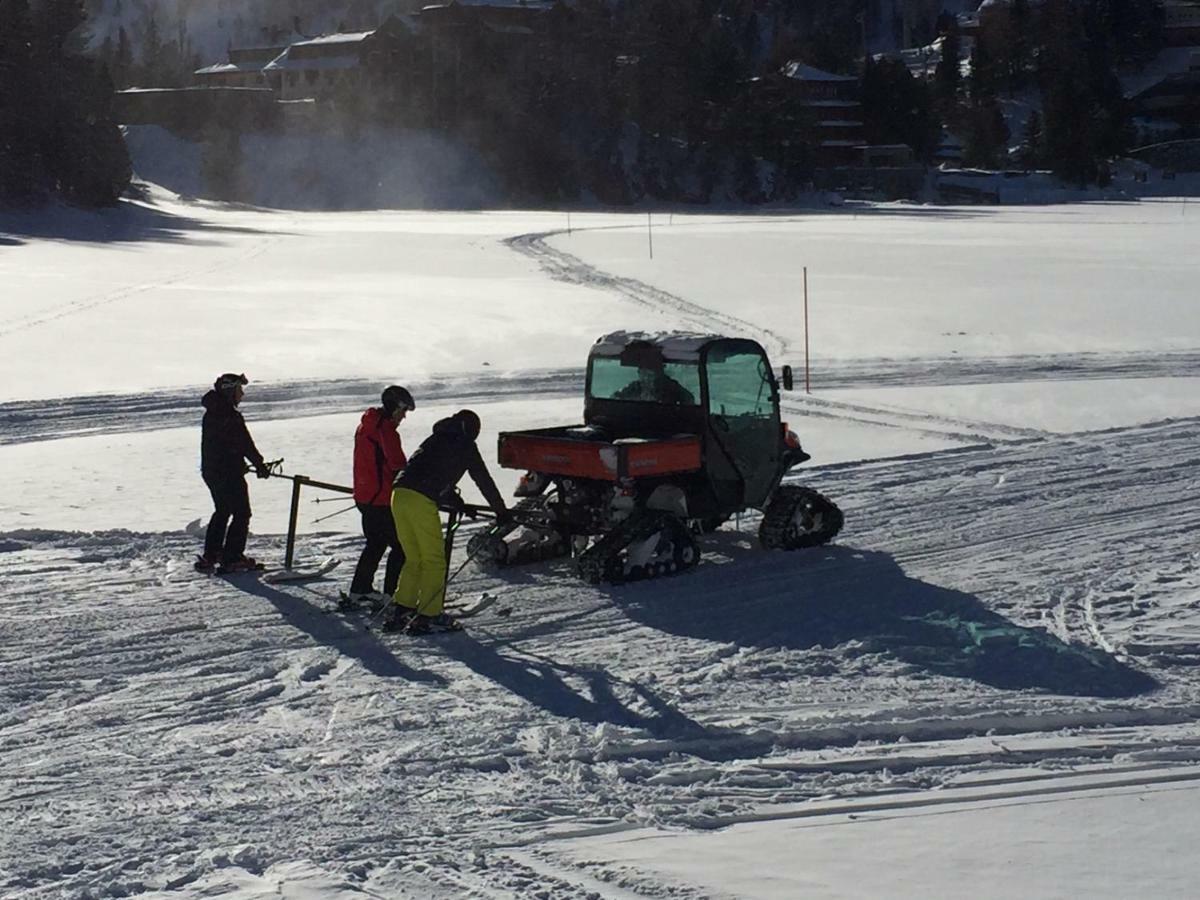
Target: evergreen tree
(57, 131)
(59, 28)
(985, 135)
(1085, 118)
(20, 105)
(1134, 27)
(86, 151)
(898, 108)
(1030, 153)
(122, 64)
(982, 82)
(1018, 50)
(151, 73)
(948, 74)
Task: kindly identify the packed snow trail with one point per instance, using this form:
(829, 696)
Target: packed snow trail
(1023, 604)
(562, 266)
(22, 421)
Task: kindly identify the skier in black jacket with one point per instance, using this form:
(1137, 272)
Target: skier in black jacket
(429, 478)
(225, 444)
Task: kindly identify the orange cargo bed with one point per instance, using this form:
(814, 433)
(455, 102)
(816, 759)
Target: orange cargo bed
(575, 452)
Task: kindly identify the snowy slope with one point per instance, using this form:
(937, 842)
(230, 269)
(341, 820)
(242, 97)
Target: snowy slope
(987, 686)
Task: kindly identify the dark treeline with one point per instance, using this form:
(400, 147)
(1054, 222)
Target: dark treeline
(676, 100)
(672, 98)
(58, 136)
(165, 56)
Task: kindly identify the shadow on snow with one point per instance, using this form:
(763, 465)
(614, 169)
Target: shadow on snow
(840, 595)
(125, 223)
(336, 631)
(588, 693)
(860, 601)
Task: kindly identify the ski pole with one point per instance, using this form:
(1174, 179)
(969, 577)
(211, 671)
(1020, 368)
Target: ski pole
(338, 513)
(453, 520)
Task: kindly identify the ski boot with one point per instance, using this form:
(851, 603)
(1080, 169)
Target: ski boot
(245, 564)
(373, 600)
(432, 624)
(399, 619)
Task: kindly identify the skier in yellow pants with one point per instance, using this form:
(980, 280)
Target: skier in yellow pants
(422, 581)
(433, 471)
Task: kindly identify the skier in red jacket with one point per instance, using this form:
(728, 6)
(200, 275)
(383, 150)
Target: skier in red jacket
(378, 457)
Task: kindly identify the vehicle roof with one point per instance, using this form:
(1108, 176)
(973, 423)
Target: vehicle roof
(676, 345)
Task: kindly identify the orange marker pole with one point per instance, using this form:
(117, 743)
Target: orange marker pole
(807, 383)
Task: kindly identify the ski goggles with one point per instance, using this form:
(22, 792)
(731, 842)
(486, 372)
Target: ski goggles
(229, 381)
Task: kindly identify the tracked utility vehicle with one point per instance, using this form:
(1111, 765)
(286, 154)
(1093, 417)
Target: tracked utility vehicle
(680, 433)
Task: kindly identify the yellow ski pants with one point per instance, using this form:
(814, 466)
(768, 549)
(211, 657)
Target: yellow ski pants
(422, 584)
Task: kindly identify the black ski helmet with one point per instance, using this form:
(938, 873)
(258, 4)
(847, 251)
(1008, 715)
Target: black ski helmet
(228, 383)
(470, 422)
(396, 397)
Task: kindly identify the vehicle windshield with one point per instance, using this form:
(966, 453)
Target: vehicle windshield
(672, 383)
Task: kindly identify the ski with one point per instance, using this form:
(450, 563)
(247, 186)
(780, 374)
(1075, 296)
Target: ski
(279, 576)
(469, 610)
(346, 603)
(210, 570)
(458, 612)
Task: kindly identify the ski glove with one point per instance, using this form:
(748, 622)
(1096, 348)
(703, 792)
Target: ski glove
(262, 471)
(452, 501)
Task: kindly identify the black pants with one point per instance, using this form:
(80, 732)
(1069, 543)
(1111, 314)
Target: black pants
(225, 540)
(379, 528)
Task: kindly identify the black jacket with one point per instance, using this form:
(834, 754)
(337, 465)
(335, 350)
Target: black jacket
(224, 439)
(441, 461)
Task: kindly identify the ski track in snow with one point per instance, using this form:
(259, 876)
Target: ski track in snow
(1011, 618)
(22, 421)
(562, 266)
(17, 324)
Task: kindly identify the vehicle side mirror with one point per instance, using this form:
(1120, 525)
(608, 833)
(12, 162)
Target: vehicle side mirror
(787, 378)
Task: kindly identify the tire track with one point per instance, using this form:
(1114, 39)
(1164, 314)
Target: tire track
(562, 266)
(9, 327)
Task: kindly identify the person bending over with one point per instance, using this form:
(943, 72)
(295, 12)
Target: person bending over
(431, 474)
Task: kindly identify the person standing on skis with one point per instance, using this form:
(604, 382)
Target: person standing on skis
(225, 445)
(378, 459)
(430, 476)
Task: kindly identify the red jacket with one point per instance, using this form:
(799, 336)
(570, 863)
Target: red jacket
(378, 456)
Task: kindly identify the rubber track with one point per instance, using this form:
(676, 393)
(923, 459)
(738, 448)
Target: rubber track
(602, 561)
(773, 532)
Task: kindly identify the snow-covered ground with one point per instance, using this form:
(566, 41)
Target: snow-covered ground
(988, 685)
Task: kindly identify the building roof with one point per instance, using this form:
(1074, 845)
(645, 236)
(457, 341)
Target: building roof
(324, 63)
(222, 68)
(346, 37)
(243, 60)
(343, 53)
(800, 72)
